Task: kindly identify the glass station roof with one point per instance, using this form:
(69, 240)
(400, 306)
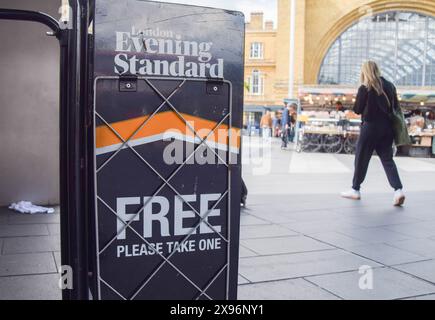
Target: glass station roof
(403, 43)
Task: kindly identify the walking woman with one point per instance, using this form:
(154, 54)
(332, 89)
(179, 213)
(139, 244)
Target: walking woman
(375, 102)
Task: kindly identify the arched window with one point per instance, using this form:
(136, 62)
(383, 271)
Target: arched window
(256, 83)
(403, 43)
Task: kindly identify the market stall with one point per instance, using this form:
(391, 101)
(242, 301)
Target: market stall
(330, 132)
(421, 127)
(327, 124)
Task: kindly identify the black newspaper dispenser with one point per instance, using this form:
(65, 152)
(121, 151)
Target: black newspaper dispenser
(168, 101)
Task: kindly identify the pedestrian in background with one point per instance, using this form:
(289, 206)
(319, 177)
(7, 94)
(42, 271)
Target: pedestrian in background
(275, 123)
(266, 125)
(292, 126)
(376, 102)
(339, 107)
(285, 124)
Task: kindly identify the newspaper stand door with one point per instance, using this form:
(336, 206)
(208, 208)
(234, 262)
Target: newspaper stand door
(168, 100)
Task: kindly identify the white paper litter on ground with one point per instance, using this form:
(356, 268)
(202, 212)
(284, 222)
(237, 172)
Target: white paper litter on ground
(29, 208)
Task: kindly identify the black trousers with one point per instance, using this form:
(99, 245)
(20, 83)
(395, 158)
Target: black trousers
(284, 138)
(292, 134)
(377, 137)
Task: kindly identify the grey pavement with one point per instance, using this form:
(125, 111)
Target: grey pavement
(334, 244)
(299, 239)
(29, 256)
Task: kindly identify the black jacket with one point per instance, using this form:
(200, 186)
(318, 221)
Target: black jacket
(375, 108)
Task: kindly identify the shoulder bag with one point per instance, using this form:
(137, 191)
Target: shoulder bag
(401, 135)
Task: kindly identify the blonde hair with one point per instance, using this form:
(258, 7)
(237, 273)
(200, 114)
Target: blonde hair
(371, 77)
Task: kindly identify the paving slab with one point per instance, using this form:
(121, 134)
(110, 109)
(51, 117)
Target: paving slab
(5, 211)
(245, 252)
(57, 260)
(250, 220)
(374, 235)
(386, 254)
(337, 239)
(430, 297)
(419, 230)
(34, 287)
(316, 215)
(53, 229)
(424, 270)
(422, 213)
(286, 204)
(377, 208)
(320, 202)
(261, 206)
(3, 219)
(31, 244)
(23, 264)
(265, 231)
(23, 230)
(281, 267)
(283, 245)
(380, 220)
(388, 284)
(242, 280)
(314, 227)
(423, 247)
(19, 218)
(297, 289)
(273, 217)
(421, 210)
(316, 163)
(280, 203)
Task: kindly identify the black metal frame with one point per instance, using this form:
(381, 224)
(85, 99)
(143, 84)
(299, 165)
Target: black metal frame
(25, 15)
(75, 105)
(76, 150)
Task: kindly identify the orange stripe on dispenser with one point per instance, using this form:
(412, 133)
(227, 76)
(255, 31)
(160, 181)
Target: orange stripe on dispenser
(162, 123)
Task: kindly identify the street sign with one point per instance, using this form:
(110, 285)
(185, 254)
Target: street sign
(168, 103)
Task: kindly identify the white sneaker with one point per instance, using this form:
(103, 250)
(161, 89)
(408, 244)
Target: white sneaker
(351, 194)
(399, 198)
